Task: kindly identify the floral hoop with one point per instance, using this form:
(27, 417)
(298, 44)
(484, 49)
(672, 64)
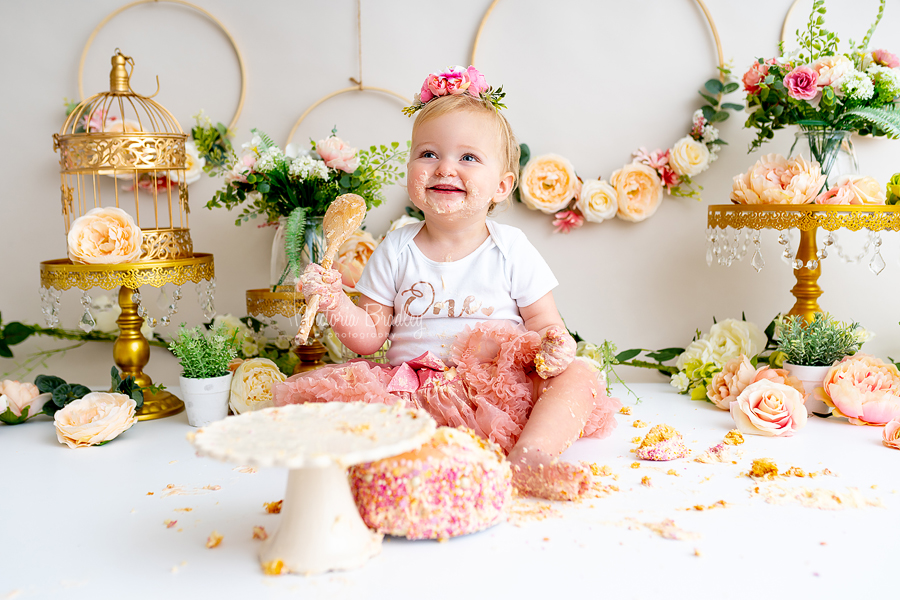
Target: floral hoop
(550, 184)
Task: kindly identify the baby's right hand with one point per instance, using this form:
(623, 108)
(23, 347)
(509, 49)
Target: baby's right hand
(326, 284)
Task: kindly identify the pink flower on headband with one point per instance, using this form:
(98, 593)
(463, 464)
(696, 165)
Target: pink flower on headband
(454, 81)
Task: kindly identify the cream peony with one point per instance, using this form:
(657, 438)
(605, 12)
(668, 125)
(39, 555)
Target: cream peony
(638, 191)
(17, 397)
(548, 183)
(770, 409)
(775, 179)
(98, 417)
(598, 201)
(689, 157)
(890, 436)
(854, 189)
(353, 256)
(251, 386)
(104, 236)
(832, 69)
(863, 389)
(731, 338)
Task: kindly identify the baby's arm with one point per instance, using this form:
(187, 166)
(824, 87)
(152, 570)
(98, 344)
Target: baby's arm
(557, 346)
(364, 328)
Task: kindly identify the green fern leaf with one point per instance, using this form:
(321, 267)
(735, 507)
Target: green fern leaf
(266, 140)
(887, 120)
(293, 239)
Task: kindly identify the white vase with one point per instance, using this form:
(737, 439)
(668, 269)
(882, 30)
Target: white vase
(812, 377)
(206, 400)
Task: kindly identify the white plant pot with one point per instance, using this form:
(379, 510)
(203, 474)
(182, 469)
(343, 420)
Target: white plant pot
(206, 400)
(812, 377)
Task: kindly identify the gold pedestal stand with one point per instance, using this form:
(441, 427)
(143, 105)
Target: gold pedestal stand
(131, 352)
(808, 218)
(287, 302)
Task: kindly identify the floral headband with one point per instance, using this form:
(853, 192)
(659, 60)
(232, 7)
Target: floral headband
(453, 82)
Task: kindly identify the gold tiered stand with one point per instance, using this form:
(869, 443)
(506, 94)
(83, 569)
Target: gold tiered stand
(287, 302)
(808, 218)
(131, 352)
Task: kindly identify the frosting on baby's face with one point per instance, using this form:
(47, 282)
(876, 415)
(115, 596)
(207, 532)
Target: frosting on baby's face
(455, 167)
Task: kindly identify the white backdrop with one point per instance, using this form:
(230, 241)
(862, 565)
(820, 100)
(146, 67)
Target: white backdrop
(592, 81)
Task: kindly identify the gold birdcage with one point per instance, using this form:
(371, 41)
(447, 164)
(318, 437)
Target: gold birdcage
(132, 144)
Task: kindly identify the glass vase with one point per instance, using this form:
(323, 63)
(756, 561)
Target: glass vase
(831, 148)
(312, 251)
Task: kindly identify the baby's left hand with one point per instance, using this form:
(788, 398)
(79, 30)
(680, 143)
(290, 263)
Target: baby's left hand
(556, 353)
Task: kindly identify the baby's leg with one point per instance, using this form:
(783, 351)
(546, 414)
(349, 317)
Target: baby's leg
(563, 406)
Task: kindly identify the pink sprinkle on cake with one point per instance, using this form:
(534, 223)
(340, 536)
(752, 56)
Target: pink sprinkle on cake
(662, 443)
(456, 483)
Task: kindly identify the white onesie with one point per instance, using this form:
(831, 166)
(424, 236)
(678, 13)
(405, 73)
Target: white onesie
(433, 301)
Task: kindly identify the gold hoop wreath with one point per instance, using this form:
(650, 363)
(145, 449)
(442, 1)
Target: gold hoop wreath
(549, 183)
(203, 12)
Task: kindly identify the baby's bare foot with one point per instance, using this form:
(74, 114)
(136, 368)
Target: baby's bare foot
(538, 474)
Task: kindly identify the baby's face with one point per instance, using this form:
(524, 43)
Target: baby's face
(455, 166)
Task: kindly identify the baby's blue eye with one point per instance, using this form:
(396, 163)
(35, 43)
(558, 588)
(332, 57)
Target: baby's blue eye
(469, 158)
(429, 154)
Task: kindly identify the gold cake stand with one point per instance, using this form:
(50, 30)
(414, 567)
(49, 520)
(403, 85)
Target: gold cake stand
(131, 352)
(284, 300)
(808, 218)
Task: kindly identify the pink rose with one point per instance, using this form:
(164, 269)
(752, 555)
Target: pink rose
(863, 389)
(19, 396)
(477, 83)
(770, 409)
(727, 384)
(853, 189)
(802, 83)
(755, 75)
(337, 154)
(885, 58)
(890, 437)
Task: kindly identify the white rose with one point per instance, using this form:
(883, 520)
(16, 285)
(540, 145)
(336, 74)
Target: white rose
(249, 347)
(193, 163)
(402, 222)
(598, 201)
(96, 418)
(689, 157)
(701, 350)
(251, 386)
(731, 338)
(4, 404)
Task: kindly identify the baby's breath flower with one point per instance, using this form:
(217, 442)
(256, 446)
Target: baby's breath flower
(857, 86)
(306, 167)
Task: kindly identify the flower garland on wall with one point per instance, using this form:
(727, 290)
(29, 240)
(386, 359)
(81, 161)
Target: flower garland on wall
(549, 183)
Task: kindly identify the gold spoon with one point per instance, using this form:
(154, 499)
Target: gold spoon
(342, 219)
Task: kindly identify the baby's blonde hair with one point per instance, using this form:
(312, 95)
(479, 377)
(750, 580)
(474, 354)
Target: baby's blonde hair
(509, 146)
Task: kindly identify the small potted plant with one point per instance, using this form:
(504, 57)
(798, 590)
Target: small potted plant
(811, 348)
(205, 379)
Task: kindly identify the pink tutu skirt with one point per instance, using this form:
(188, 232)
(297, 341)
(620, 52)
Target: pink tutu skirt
(491, 390)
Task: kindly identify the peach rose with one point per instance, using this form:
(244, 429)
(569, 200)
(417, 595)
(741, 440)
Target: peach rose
(863, 389)
(337, 154)
(353, 256)
(854, 189)
(104, 236)
(98, 417)
(780, 376)
(689, 157)
(770, 409)
(17, 397)
(598, 201)
(638, 190)
(775, 179)
(727, 384)
(832, 69)
(890, 437)
(251, 385)
(548, 183)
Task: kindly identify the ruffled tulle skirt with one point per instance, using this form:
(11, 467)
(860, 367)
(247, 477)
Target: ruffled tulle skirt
(491, 390)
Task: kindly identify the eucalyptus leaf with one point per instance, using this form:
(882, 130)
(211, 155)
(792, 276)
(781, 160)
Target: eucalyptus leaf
(731, 86)
(714, 86)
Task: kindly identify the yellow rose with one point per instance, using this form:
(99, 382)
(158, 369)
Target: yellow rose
(104, 236)
(96, 418)
(638, 190)
(251, 386)
(353, 256)
(548, 183)
(689, 157)
(598, 201)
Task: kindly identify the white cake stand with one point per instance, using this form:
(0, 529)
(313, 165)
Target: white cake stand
(321, 529)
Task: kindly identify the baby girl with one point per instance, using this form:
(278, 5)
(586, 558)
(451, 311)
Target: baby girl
(476, 339)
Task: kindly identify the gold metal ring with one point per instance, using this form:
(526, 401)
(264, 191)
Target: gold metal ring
(355, 88)
(700, 3)
(787, 18)
(205, 13)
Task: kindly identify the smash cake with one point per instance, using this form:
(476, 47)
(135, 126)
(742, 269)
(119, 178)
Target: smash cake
(456, 483)
(662, 442)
